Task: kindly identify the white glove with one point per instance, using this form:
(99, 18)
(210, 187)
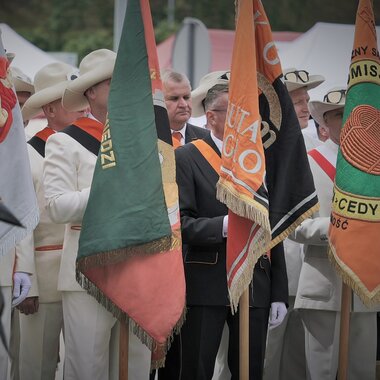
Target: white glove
(277, 314)
(21, 286)
(225, 226)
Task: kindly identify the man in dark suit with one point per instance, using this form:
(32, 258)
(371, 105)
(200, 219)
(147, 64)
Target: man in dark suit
(177, 93)
(204, 223)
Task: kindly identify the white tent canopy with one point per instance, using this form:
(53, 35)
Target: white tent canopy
(325, 49)
(28, 57)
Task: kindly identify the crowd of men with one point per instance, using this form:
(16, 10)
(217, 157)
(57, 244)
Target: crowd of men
(294, 311)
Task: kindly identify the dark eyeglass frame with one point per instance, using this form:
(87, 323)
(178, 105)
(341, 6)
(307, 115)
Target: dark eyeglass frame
(219, 110)
(225, 76)
(327, 97)
(298, 76)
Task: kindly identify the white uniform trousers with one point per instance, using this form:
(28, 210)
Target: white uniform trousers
(14, 344)
(285, 351)
(322, 344)
(39, 342)
(5, 364)
(92, 342)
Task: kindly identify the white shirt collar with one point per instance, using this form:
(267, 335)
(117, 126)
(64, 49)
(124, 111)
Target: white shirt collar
(182, 131)
(91, 116)
(218, 143)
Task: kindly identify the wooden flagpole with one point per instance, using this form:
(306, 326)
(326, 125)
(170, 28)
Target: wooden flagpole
(344, 332)
(244, 335)
(123, 350)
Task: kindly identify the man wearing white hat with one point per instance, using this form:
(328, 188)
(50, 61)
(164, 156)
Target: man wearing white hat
(24, 90)
(91, 332)
(319, 291)
(177, 93)
(298, 83)
(23, 85)
(285, 354)
(41, 318)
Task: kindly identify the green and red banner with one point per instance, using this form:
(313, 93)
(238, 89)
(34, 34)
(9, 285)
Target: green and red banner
(355, 218)
(263, 154)
(130, 255)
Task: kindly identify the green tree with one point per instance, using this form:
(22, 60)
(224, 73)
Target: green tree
(85, 25)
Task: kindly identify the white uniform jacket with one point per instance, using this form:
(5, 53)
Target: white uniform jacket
(68, 171)
(319, 286)
(6, 268)
(40, 253)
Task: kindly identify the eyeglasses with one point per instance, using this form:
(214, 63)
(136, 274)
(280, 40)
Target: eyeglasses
(72, 75)
(297, 75)
(335, 97)
(219, 110)
(226, 76)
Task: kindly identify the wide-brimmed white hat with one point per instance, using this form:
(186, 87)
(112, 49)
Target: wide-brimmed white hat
(199, 94)
(301, 78)
(49, 84)
(94, 68)
(318, 108)
(21, 81)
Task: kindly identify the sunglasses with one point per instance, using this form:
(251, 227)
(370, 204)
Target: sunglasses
(335, 97)
(225, 76)
(73, 75)
(297, 76)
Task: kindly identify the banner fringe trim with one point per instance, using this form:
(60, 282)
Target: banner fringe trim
(370, 299)
(255, 212)
(115, 256)
(256, 249)
(284, 234)
(123, 317)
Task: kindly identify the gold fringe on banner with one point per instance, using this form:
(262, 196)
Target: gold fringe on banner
(243, 277)
(116, 255)
(284, 234)
(123, 317)
(253, 210)
(369, 299)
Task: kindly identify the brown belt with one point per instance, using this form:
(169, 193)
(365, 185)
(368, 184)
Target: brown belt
(49, 248)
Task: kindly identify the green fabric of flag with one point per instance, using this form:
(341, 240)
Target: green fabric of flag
(130, 251)
(355, 217)
(126, 210)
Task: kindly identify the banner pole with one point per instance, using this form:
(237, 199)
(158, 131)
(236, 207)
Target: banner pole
(123, 350)
(244, 335)
(344, 332)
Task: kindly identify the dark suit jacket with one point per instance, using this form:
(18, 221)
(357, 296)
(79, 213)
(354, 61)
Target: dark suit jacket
(204, 248)
(195, 133)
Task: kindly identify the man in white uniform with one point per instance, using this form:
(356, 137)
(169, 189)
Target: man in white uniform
(298, 83)
(285, 353)
(319, 291)
(91, 332)
(41, 319)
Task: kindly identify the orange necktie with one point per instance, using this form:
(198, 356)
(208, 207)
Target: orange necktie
(176, 139)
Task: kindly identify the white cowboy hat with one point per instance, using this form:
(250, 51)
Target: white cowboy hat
(94, 68)
(199, 94)
(318, 108)
(295, 79)
(49, 84)
(21, 81)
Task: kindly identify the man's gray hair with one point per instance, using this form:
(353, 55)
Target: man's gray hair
(175, 76)
(213, 94)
